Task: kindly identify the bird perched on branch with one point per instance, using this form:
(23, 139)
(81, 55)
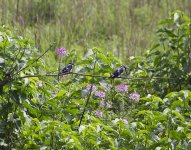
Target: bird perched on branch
(67, 69)
(118, 72)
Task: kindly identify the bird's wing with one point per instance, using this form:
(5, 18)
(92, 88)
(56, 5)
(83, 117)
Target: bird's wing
(65, 69)
(115, 74)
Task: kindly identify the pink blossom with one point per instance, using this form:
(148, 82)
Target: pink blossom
(134, 96)
(88, 87)
(125, 121)
(99, 113)
(61, 51)
(100, 94)
(108, 104)
(102, 102)
(122, 88)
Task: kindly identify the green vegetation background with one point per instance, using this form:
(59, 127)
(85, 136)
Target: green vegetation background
(123, 27)
(39, 110)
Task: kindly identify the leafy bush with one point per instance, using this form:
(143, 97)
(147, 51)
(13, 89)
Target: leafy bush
(148, 108)
(167, 63)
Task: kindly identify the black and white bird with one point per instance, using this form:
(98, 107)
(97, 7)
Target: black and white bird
(118, 72)
(67, 69)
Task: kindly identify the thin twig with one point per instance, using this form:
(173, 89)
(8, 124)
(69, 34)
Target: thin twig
(88, 99)
(90, 93)
(36, 59)
(9, 80)
(12, 68)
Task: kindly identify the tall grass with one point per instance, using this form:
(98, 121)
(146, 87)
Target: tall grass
(123, 27)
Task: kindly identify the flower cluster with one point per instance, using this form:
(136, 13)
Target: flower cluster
(134, 96)
(99, 113)
(61, 51)
(89, 86)
(100, 94)
(105, 104)
(122, 88)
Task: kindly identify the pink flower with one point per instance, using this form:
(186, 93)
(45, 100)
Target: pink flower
(105, 104)
(99, 113)
(108, 104)
(88, 87)
(125, 121)
(122, 88)
(100, 94)
(134, 96)
(102, 102)
(61, 51)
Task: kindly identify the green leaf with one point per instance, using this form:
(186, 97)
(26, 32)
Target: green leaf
(188, 135)
(155, 46)
(157, 99)
(175, 135)
(166, 111)
(178, 115)
(78, 101)
(167, 21)
(176, 103)
(103, 58)
(172, 94)
(61, 93)
(142, 112)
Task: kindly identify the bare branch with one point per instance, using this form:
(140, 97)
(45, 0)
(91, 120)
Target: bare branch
(36, 59)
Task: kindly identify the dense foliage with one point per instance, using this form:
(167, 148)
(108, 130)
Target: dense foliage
(149, 108)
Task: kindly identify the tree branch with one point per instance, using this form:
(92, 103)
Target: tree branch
(36, 59)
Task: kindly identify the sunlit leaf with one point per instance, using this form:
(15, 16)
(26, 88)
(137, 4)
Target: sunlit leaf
(178, 115)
